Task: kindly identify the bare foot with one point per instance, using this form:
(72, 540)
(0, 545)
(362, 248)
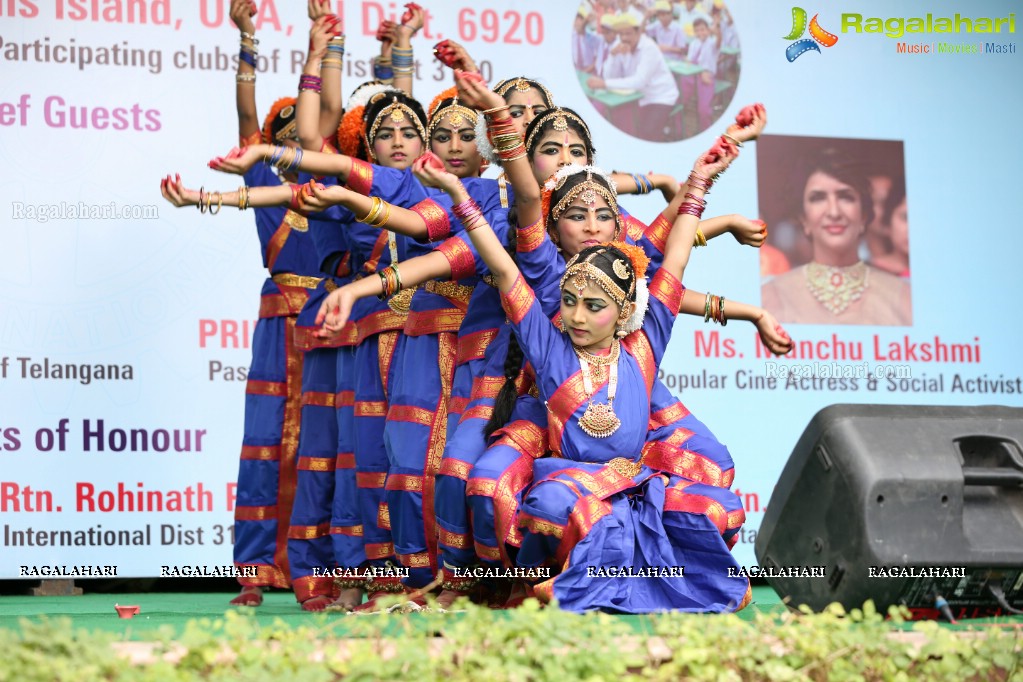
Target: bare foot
(371, 605)
(251, 595)
(347, 601)
(314, 604)
(520, 592)
(447, 597)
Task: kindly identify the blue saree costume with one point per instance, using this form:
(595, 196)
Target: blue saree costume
(417, 420)
(380, 324)
(677, 442)
(266, 471)
(595, 506)
(325, 510)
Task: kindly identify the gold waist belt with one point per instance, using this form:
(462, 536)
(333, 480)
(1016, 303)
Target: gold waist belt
(287, 279)
(461, 292)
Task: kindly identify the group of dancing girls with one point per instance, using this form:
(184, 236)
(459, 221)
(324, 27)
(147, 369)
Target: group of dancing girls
(453, 373)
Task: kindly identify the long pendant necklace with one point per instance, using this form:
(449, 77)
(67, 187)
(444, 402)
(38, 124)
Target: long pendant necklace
(834, 287)
(599, 420)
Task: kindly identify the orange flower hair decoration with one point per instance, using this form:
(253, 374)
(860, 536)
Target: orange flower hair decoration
(443, 95)
(352, 127)
(640, 263)
(351, 130)
(280, 107)
(639, 260)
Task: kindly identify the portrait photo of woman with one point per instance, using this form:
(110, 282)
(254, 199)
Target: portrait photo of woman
(820, 213)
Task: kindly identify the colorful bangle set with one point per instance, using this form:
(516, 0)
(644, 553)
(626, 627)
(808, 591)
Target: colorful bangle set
(335, 53)
(402, 60)
(285, 158)
(714, 309)
(470, 214)
(643, 183)
(382, 70)
(506, 139)
(248, 52)
(307, 82)
(390, 281)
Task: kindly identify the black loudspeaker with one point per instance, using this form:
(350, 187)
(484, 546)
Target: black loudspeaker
(913, 505)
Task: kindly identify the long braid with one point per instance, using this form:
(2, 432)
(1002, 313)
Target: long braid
(506, 397)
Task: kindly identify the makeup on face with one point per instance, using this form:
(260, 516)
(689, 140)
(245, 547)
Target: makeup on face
(396, 146)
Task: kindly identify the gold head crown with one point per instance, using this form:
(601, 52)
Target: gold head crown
(521, 84)
(398, 112)
(579, 272)
(560, 117)
(587, 191)
(457, 115)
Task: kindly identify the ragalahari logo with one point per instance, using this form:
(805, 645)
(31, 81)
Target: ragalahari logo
(819, 35)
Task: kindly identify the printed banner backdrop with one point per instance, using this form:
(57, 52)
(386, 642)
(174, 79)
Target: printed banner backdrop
(125, 324)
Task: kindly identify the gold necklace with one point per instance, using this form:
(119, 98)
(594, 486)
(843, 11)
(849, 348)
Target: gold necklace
(599, 420)
(836, 287)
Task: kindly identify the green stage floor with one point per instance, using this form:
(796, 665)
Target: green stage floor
(159, 609)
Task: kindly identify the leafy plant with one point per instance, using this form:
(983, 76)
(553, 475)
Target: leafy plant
(529, 644)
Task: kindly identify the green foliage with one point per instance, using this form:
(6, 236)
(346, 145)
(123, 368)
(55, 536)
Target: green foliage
(529, 644)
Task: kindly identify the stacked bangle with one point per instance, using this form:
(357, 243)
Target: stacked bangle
(469, 213)
(307, 82)
(691, 208)
(206, 202)
(714, 309)
(248, 52)
(245, 78)
(700, 239)
(643, 183)
(507, 140)
(243, 198)
(378, 214)
(390, 280)
(382, 70)
(699, 182)
(335, 53)
(285, 158)
(402, 60)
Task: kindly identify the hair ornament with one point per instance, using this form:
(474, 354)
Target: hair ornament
(483, 142)
(637, 258)
(282, 111)
(456, 112)
(586, 191)
(398, 111)
(351, 130)
(560, 123)
(579, 272)
(361, 95)
(522, 84)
